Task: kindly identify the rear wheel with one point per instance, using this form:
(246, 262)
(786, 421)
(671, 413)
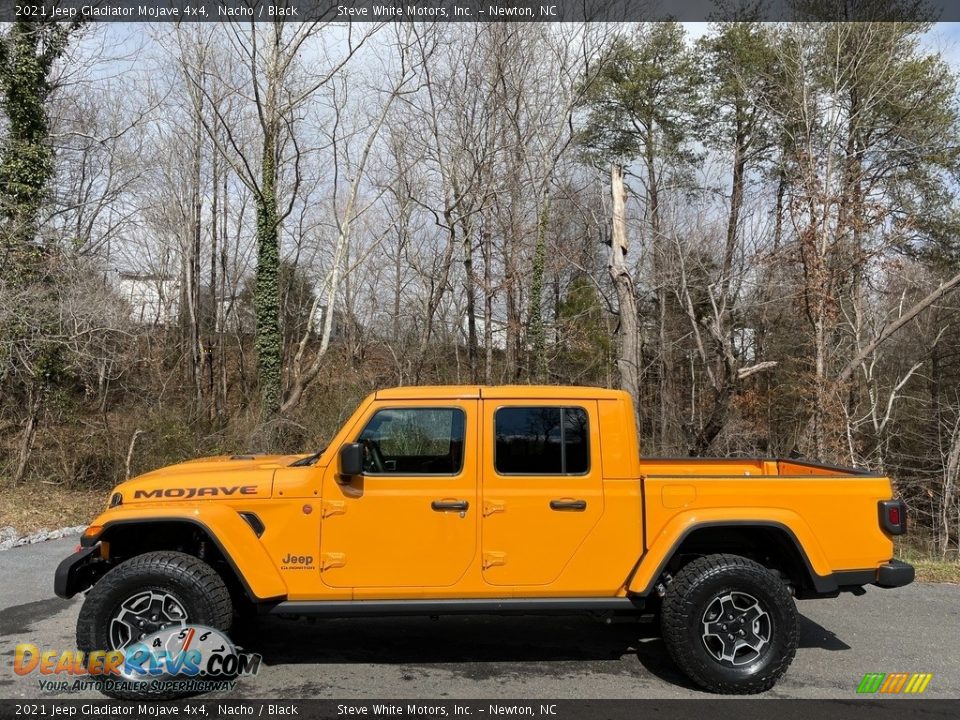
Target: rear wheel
(144, 595)
(730, 624)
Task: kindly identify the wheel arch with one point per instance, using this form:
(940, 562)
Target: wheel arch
(241, 560)
(771, 543)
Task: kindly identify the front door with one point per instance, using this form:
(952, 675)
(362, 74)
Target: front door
(542, 487)
(410, 520)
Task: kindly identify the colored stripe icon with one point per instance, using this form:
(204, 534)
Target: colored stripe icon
(895, 683)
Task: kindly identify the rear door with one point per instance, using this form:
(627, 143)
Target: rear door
(410, 520)
(542, 487)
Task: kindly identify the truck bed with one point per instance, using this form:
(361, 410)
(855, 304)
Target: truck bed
(831, 511)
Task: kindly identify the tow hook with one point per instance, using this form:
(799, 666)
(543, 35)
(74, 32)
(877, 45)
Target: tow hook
(661, 587)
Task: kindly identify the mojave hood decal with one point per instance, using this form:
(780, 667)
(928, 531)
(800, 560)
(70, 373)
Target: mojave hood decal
(220, 478)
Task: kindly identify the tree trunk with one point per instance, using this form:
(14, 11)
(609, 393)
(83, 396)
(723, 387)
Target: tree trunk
(537, 367)
(628, 361)
(269, 343)
(659, 273)
(485, 250)
(733, 219)
(398, 274)
(471, 282)
(435, 297)
(27, 437)
(213, 341)
(223, 314)
(196, 344)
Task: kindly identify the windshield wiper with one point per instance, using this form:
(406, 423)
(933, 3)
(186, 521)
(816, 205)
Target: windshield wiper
(309, 459)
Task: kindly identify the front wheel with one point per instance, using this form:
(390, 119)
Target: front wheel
(147, 594)
(730, 624)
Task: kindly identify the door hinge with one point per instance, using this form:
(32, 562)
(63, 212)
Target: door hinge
(333, 507)
(492, 559)
(332, 560)
(493, 506)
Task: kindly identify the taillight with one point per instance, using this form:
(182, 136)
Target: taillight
(893, 516)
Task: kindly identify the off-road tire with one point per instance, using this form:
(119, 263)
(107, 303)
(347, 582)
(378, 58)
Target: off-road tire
(699, 584)
(196, 586)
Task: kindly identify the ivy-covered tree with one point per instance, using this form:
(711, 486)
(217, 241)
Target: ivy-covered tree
(27, 53)
(31, 366)
(585, 346)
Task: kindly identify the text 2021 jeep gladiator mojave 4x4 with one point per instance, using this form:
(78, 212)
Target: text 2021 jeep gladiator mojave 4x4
(472, 500)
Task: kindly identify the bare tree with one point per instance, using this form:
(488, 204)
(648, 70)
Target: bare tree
(277, 84)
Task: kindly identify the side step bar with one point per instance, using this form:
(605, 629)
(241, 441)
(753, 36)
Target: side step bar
(474, 606)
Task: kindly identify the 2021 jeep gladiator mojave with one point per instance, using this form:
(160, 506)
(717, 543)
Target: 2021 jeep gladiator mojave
(438, 500)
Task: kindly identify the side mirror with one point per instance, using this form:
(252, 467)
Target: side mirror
(351, 462)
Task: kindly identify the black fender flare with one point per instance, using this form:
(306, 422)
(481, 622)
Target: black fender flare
(823, 585)
(89, 542)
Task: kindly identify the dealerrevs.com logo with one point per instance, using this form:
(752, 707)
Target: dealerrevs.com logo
(182, 659)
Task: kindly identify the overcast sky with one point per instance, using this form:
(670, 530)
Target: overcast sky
(125, 40)
(945, 37)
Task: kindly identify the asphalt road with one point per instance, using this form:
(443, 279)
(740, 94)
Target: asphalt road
(913, 629)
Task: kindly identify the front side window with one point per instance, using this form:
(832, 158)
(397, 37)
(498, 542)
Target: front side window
(413, 441)
(541, 441)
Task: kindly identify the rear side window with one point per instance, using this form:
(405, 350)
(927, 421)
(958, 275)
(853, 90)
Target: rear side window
(413, 441)
(541, 441)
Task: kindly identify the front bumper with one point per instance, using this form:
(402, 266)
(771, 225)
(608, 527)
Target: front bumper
(895, 573)
(78, 572)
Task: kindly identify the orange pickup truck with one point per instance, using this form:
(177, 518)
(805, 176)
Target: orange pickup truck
(475, 500)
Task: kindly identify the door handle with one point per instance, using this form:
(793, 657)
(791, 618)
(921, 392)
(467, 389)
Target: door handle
(569, 505)
(445, 505)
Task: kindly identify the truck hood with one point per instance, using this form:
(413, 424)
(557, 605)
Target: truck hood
(214, 478)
